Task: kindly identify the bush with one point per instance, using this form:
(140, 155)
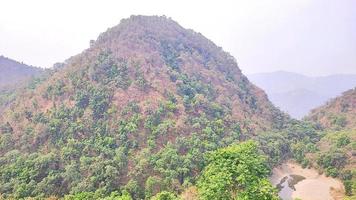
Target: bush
(346, 175)
(342, 141)
(99, 102)
(6, 128)
(333, 159)
(82, 99)
(348, 187)
(330, 171)
(165, 196)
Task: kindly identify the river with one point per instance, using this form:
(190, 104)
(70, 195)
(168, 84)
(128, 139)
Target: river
(307, 184)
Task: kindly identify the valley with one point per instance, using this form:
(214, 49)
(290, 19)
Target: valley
(155, 111)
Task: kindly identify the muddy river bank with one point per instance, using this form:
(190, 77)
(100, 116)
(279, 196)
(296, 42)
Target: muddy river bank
(307, 184)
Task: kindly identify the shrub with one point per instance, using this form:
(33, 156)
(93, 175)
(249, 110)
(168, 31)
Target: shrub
(165, 196)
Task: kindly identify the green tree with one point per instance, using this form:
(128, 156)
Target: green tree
(236, 172)
(165, 196)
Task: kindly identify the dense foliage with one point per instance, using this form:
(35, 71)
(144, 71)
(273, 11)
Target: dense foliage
(334, 157)
(236, 172)
(294, 141)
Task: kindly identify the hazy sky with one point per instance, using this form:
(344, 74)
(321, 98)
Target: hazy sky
(313, 37)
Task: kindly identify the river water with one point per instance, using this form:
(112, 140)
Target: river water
(307, 184)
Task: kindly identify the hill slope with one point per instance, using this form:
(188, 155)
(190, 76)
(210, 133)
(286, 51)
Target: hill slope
(298, 94)
(13, 72)
(339, 112)
(135, 112)
(336, 151)
(14, 75)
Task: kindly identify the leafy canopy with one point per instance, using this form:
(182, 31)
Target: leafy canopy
(236, 172)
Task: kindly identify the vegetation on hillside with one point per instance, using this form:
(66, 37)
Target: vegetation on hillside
(332, 154)
(154, 111)
(159, 113)
(335, 152)
(131, 117)
(339, 113)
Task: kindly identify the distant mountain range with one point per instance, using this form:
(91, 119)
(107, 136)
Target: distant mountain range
(297, 94)
(13, 72)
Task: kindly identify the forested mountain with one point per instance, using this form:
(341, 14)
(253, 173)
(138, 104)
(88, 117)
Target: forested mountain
(298, 94)
(133, 116)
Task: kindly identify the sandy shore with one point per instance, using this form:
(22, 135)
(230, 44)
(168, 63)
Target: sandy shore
(313, 187)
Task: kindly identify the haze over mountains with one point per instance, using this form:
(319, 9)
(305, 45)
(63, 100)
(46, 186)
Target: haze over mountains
(297, 94)
(14, 72)
(13, 76)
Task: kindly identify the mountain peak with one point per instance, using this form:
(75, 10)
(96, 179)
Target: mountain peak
(138, 26)
(157, 33)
